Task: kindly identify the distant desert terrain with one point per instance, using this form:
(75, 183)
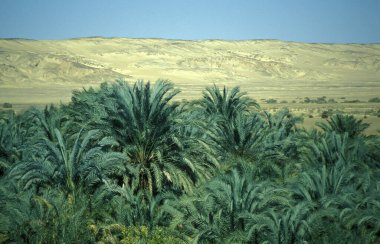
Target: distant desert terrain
(40, 72)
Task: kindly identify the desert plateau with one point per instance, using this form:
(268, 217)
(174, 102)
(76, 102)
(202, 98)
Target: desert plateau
(275, 73)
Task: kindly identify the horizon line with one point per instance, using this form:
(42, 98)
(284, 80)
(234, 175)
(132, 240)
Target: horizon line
(190, 40)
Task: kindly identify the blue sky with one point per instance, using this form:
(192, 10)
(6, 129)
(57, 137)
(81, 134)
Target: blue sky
(329, 21)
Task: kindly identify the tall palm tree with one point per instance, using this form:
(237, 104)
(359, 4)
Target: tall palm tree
(332, 148)
(87, 108)
(281, 146)
(325, 186)
(344, 124)
(240, 137)
(338, 150)
(44, 122)
(148, 127)
(226, 103)
(233, 131)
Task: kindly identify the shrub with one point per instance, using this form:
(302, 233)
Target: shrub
(352, 101)
(374, 100)
(271, 100)
(7, 105)
(320, 100)
(325, 114)
(141, 234)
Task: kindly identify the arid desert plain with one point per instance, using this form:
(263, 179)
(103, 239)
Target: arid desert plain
(308, 78)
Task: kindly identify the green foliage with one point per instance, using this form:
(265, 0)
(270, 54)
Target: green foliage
(152, 134)
(271, 101)
(14, 133)
(7, 105)
(51, 216)
(344, 123)
(117, 233)
(67, 166)
(319, 100)
(325, 114)
(226, 103)
(126, 163)
(374, 100)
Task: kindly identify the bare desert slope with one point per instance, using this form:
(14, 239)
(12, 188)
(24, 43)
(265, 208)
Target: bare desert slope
(46, 71)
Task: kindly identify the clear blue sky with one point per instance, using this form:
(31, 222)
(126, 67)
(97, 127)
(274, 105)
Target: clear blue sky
(332, 21)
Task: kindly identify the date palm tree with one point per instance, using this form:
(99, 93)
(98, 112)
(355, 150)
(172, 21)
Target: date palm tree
(361, 217)
(10, 150)
(130, 206)
(280, 148)
(44, 122)
(148, 127)
(88, 108)
(240, 137)
(68, 167)
(344, 124)
(290, 225)
(226, 103)
(48, 217)
(229, 208)
(233, 131)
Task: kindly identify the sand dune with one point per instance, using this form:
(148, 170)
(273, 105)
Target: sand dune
(265, 68)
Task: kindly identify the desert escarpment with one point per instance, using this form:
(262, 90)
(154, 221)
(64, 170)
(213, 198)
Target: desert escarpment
(263, 68)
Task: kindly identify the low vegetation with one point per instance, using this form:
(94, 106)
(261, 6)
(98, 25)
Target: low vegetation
(125, 163)
(374, 100)
(7, 105)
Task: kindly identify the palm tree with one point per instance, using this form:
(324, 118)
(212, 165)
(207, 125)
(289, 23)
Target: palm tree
(150, 131)
(126, 213)
(361, 217)
(226, 103)
(87, 108)
(325, 186)
(14, 137)
(240, 137)
(132, 207)
(233, 131)
(326, 190)
(7, 150)
(291, 225)
(281, 146)
(44, 122)
(229, 208)
(68, 168)
(49, 217)
(344, 124)
(332, 148)
(338, 150)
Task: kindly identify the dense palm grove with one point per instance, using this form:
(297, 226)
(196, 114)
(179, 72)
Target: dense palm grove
(128, 163)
